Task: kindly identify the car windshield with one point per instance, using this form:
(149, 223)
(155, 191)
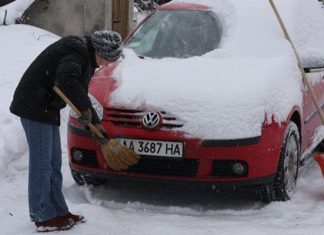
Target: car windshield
(179, 34)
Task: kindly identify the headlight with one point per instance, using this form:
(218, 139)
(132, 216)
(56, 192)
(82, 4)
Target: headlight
(95, 104)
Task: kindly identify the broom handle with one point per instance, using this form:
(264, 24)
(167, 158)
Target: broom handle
(77, 111)
(300, 65)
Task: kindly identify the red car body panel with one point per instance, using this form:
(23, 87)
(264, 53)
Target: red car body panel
(261, 156)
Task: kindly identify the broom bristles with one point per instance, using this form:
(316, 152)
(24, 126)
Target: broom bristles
(117, 156)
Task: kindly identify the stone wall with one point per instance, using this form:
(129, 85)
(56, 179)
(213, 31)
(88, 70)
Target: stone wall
(72, 17)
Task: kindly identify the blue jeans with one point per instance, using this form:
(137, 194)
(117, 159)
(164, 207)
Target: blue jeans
(45, 194)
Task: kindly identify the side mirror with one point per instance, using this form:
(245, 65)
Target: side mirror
(313, 59)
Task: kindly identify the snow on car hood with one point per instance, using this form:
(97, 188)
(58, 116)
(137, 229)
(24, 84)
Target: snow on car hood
(216, 98)
(227, 93)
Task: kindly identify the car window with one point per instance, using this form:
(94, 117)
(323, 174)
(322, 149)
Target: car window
(179, 34)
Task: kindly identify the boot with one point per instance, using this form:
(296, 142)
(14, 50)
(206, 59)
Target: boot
(76, 218)
(55, 224)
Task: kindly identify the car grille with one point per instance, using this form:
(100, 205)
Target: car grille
(133, 118)
(167, 167)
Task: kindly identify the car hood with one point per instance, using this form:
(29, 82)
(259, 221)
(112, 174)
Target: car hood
(214, 97)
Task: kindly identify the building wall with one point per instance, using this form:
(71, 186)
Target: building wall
(72, 17)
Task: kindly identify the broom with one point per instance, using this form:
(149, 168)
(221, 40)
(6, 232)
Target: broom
(319, 158)
(117, 156)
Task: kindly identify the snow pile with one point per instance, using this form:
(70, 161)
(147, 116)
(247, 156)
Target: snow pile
(226, 93)
(12, 139)
(13, 11)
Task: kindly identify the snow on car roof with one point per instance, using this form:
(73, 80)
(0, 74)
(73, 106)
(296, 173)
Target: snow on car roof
(304, 20)
(224, 94)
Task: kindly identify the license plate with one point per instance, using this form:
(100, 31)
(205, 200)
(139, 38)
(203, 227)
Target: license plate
(154, 148)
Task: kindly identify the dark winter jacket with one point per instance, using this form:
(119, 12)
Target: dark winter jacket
(69, 64)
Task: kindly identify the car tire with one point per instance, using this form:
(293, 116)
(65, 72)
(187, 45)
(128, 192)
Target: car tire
(82, 179)
(285, 179)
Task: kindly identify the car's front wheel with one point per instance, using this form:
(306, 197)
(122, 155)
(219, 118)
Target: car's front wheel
(285, 179)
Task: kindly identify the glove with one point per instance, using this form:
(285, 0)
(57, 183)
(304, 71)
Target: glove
(85, 118)
(102, 130)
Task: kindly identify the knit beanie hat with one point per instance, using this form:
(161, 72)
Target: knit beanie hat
(107, 44)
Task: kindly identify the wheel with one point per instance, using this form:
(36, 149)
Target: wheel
(285, 179)
(82, 179)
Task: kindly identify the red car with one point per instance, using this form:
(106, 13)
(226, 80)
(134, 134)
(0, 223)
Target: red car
(269, 162)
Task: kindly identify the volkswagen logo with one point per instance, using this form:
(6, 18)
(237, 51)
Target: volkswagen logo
(151, 120)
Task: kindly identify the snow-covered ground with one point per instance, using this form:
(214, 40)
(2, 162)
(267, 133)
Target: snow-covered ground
(131, 208)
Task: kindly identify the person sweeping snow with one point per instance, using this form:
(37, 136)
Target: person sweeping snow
(69, 65)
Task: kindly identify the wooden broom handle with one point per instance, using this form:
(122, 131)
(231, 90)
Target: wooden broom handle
(300, 65)
(77, 111)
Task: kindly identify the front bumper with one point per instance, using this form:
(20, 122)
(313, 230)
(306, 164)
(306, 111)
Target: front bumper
(202, 161)
(175, 181)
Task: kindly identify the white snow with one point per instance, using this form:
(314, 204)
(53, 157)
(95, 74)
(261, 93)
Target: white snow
(253, 74)
(13, 11)
(135, 208)
(200, 88)
(19, 46)
(306, 30)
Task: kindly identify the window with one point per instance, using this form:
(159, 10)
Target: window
(179, 34)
